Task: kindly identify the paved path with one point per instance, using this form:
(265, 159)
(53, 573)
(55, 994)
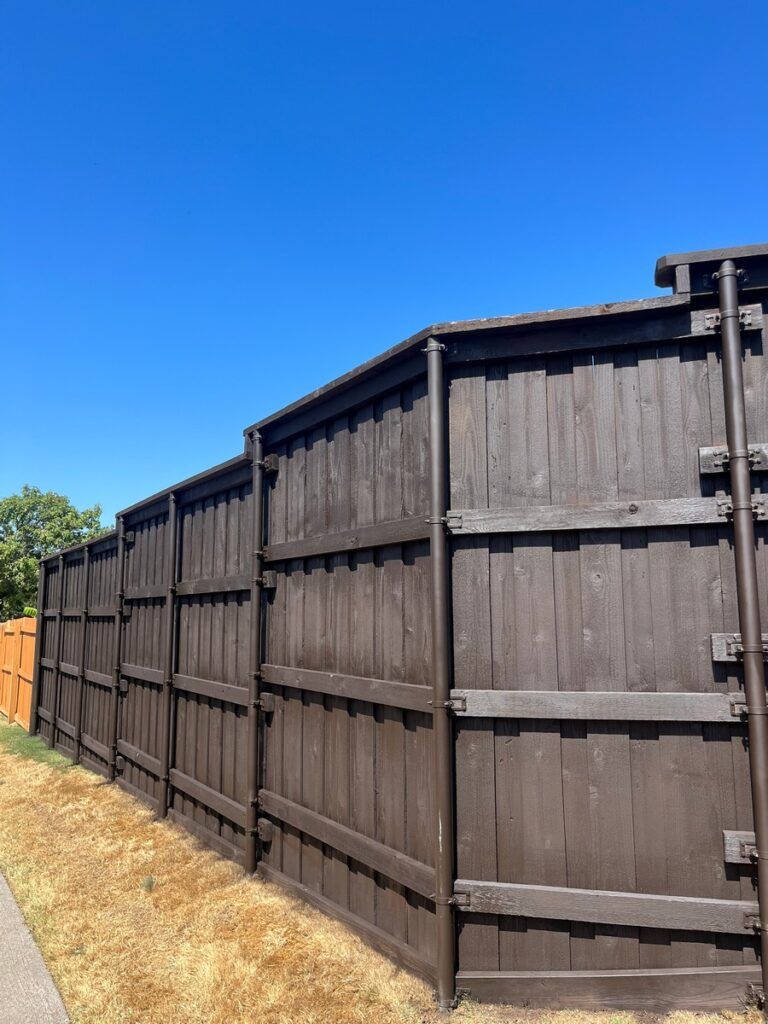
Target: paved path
(27, 992)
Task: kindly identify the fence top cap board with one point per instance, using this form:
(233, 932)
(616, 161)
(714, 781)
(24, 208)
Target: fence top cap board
(706, 261)
(412, 346)
(160, 497)
(77, 548)
(664, 277)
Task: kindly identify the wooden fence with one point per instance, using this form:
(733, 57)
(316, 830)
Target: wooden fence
(17, 656)
(268, 672)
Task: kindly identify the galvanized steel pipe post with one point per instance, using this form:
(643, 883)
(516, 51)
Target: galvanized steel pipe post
(442, 725)
(83, 648)
(746, 581)
(254, 683)
(117, 649)
(166, 712)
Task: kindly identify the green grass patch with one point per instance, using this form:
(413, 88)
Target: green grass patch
(15, 740)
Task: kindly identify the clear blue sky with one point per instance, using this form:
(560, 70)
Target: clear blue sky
(209, 209)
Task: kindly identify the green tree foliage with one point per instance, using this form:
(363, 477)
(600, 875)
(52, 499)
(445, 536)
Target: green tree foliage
(34, 524)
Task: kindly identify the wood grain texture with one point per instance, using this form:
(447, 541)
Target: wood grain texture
(609, 515)
(606, 907)
(600, 705)
(660, 990)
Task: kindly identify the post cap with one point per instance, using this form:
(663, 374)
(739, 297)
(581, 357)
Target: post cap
(692, 271)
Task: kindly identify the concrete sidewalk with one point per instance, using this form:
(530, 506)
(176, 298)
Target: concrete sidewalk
(27, 992)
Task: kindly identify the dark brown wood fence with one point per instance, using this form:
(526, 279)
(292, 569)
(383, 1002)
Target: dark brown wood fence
(602, 805)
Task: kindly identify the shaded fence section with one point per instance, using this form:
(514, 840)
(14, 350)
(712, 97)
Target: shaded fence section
(456, 656)
(17, 656)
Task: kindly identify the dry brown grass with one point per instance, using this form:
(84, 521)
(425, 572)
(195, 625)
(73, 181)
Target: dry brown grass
(199, 944)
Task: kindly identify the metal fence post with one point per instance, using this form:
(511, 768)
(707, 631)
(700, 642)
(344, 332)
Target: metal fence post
(442, 725)
(117, 650)
(57, 654)
(747, 590)
(166, 710)
(254, 682)
(81, 666)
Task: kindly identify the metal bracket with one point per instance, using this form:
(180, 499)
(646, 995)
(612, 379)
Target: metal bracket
(129, 537)
(729, 646)
(461, 900)
(268, 580)
(119, 763)
(759, 506)
(453, 520)
(270, 463)
(454, 704)
(748, 850)
(122, 686)
(712, 320)
(717, 458)
(265, 830)
(433, 345)
(751, 920)
(267, 703)
(738, 704)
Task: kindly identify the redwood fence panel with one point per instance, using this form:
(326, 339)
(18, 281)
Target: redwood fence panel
(547, 799)
(17, 655)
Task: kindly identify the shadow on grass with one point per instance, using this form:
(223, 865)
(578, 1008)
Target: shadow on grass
(14, 740)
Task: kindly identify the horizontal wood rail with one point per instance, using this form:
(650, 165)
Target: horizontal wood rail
(600, 705)
(655, 990)
(218, 585)
(147, 675)
(595, 906)
(99, 678)
(210, 798)
(398, 531)
(210, 688)
(139, 757)
(94, 746)
(48, 663)
(605, 515)
(68, 670)
(148, 593)
(65, 727)
(101, 611)
(45, 715)
(337, 684)
(384, 859)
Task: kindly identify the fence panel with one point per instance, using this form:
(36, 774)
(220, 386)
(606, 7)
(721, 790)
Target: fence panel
(289, 686)
(343, 630)
(620, 806)
(17, 654)
(212, 667)
(97, 673)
